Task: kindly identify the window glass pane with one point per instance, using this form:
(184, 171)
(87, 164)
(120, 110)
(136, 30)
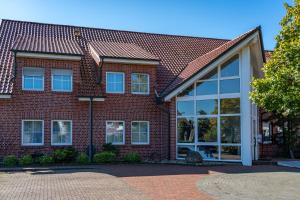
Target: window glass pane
(67, 85)
(208, 152)
(207, 129)
(231, 67)
(185, 130)
(230, 86)
(207, 107)
(135, 137)
(143, 127)
(144, 88)
(26, 137)
(185, 108)
(230, 129)
(207, 88)
(139, 83)
(38, 83)
(144, 137)
(182, 151)
(188, 92)
(28, 82)
(211, 75)
(229, 106)
(231, 153)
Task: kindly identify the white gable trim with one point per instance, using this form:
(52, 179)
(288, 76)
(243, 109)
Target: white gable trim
(47, 56)
(207, 69)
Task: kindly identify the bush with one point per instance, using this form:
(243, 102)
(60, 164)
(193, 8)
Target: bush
(104, 157)
(26, 160)
(82, 158)
(46, 160)
(132, 157)
(64, 155)
(109, 147)
(10, 161)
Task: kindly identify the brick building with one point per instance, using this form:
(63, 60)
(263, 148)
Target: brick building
(159, 95)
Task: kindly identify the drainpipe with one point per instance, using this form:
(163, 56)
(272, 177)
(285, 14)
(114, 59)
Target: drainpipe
(91, 129)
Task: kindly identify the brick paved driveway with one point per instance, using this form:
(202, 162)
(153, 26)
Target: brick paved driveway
(115, 182)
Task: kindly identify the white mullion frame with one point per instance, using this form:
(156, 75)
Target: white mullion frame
(217, 96)
(71, 133)
(22, 132)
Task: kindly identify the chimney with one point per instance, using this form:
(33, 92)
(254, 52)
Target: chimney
(77, 33)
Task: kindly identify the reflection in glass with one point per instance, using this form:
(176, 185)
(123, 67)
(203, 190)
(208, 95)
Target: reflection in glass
(187, 92)
(182, 151)
(207, 88)
(230, 86)
(231, 153)
(230, 129)
(229, 106)
(185, 130)
(207, 107)
(207, 129)
(185, 108)
(231, 67)
(208, 152)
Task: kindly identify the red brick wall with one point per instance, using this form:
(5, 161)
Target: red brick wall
(48, 105)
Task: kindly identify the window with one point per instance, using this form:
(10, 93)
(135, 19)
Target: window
(32, 132)
(62, 80)
(139, 83)
(115, 82)
(208, 114)
(139, 132)
(61, 132)
(115, 132)
(33, 79)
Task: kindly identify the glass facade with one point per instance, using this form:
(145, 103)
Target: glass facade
(208, 115)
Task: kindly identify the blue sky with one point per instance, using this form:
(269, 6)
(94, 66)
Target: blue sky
(207, 18)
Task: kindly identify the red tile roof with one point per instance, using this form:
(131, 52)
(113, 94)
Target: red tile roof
(46, 45)
(121, 50)
(175, 52)
(201, 62)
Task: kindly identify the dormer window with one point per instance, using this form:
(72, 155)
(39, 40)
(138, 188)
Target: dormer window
(33, 79)
(62, 80)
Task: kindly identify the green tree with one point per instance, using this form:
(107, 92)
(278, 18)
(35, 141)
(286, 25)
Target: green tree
(279, 91)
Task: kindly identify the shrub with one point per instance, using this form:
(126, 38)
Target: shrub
(36, 157)
(26, 160)
(104, 157)
(82, 158)
(64, 155)
(110, 147)
(132, 157)
(10, 161)
(46, 160)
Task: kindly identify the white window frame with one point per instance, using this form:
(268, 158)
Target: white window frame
(148, 84)
(106, 83)
(115, 143)
(148, 134)
(71, 137)
(22, 132)
(23, 79)
(52, 80)
(217, 96)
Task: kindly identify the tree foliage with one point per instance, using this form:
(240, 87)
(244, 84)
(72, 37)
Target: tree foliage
(279, 90)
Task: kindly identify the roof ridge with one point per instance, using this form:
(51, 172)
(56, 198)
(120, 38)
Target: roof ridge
(128, 31)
